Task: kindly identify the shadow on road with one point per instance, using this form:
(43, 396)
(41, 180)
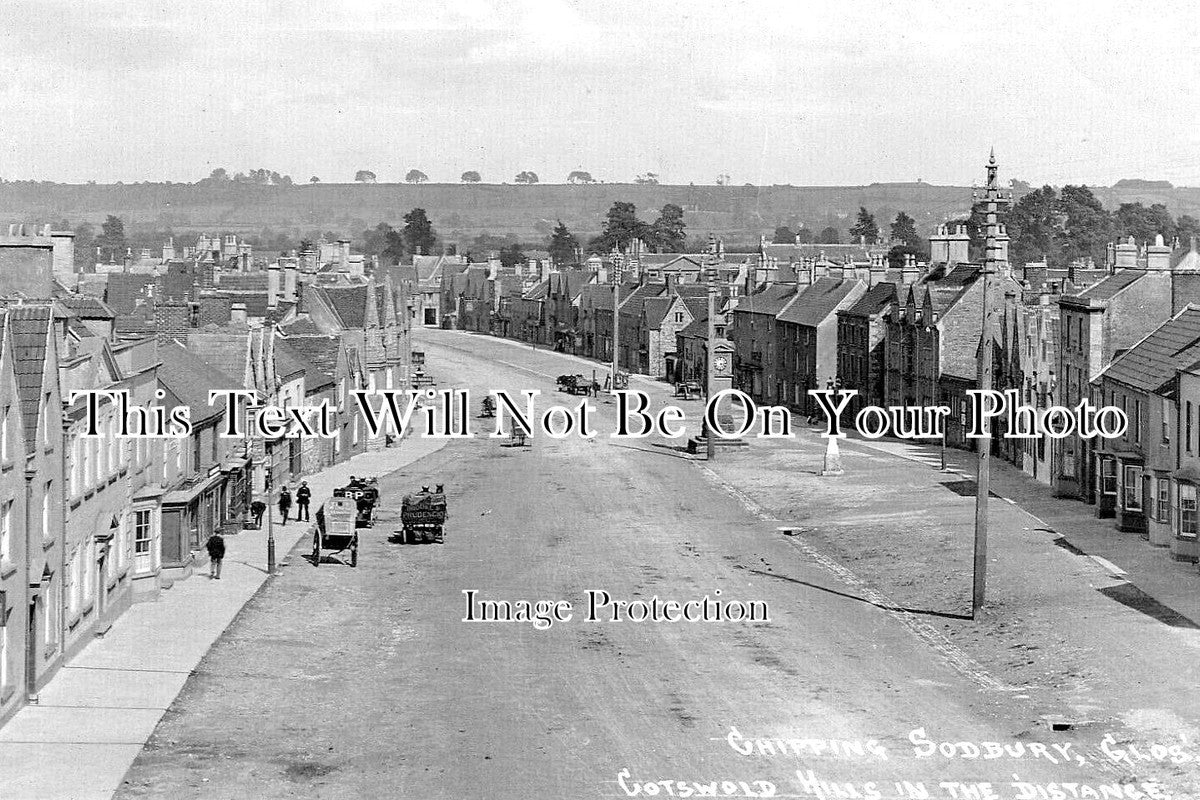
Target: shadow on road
(922, 611)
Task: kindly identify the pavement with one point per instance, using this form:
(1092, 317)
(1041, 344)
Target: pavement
(95, 715)
(1173, 584)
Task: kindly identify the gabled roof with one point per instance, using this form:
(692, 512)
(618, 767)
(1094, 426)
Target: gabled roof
(696, 329)
(813, 305)
(290, 361)
(538, 291)
(29, 328)
(226, 350)
(86, 307)
(1111, 286)
(303, 326)
(189, 379)
(348, 302)
(874, 301)
(123, 290)
(255, 302)
(769, 301)
(1153, 361)
(243, 281)
(655, 310)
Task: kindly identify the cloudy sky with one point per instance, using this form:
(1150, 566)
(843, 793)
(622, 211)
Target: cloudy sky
(768, 92)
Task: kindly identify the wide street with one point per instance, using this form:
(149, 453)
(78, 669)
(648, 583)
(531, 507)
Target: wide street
(344, 683)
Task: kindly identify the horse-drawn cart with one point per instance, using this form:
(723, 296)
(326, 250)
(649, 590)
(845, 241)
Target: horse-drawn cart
(336, 529)
(365, 494)
(423, 516)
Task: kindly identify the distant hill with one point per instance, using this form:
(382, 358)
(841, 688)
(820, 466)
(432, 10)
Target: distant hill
(462, 211)
(1138, 184)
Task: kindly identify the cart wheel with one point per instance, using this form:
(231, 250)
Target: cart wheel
(354, 553)
(316, 549)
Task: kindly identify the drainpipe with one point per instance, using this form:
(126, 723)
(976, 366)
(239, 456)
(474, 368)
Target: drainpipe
(30, 663)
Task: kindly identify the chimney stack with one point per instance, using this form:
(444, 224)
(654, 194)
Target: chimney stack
(958, 246)
(804, 272)
(273, 285)
(878, 269)
(1158, 255)
(909, 272)
(1126, 254)
(939, 245)
(237, 314)
(290, 274)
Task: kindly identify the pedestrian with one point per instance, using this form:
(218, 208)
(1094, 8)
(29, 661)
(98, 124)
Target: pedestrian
(216, 554)
(258, 508)
(285, 503)
(303, 495)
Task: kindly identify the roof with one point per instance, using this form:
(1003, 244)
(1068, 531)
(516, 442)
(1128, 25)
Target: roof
(655, 310)
(349, 302)
(86, 307)
(1110, 286)
(189, 379)
(874, 301)
(770, 300)
(29, 328)
(1154, 360)
(814, 305)
(243, 281)
(303, 326)
(224, 350)
(316, 356)
(255, 302)
(697, 328)
(123, 290)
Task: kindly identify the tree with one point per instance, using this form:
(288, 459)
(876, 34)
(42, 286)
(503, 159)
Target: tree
(805, 235)
(526, 176)
(364, 176)
(306, 246)
(723, 179)
(1187, 228)
(579, 176)
(829, 235)
(666, 234)
(783, 235)
(85, 243)
(904, 231)
(650, 178)
(621, 226)
(895, 256)
(470, 176)
(415, 176)
(563, 245)
(511, 256)
(218, 175)
(1143, 224)
(864, 229)
(112, 237)
(418, 234)
(1034, 226)
(1088, 226)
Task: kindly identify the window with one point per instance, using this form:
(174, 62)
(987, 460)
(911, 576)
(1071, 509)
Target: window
(1137, 416)
(88, 569)
(1164, 500)
(4, 436)
(1166, 421)
(6, 531)
(47, 534)
(3, 656)
(143, 534)
(1133, 487)
(1187, 439)
(679, 316)
(1187, 510)
(72, 587)
(1108, 476)
(47, 438)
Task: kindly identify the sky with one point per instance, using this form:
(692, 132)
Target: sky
(806, 93)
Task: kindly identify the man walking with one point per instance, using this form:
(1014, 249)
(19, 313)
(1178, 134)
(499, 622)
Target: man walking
(303, 495)
(216, 553)
(258, 508)
(285, 503)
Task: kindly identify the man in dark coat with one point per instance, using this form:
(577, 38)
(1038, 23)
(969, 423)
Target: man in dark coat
(303, 496)
(216, 554)
(285, 503)
(258, 508)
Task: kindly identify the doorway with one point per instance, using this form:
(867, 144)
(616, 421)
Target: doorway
(31, 648)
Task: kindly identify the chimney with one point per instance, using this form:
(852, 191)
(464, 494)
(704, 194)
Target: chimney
(804, 272)
(245, 262)
(237, 314)
(878, 269)
(64, 257)
(290, 273)
(128, 259)
(344, 244)
(939, 245)
(1158, 255)
(1126, 254)
(909, 272)
(273, 285)
(837, 271)
(958, 246)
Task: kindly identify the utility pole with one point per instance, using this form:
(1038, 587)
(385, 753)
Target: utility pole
(710, 440)
(991, 204)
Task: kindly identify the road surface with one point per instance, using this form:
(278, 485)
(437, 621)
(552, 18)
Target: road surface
(344, 683)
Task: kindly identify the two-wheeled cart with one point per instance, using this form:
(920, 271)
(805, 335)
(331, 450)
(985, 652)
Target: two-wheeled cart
(336, 529)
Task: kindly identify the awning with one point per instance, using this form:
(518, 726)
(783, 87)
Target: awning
(1187, 474)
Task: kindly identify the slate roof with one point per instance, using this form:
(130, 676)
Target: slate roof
(813, 305)
(656, 308)
(350, 303)
(244, 281)
(189, 379)
(320, 353)
(697, 328)
(1152, 362)
(1110, 286)
(123, 290)
(255, 302)
(304, 326)
(225, 351)
(874, 300)
(29, 328)
(769, 301)
(290, 361)
(86, 306)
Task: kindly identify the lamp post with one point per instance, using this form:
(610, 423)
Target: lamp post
(616, 337)
(710, 441)
(269, 484)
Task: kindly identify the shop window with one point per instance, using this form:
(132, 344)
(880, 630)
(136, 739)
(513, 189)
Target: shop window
(1164, 500)
(1187, 510)
(1133, 487)
(1108, 476)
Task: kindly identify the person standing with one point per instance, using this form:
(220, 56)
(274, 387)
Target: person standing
(216, 554)
(285, 503)
(303, 495)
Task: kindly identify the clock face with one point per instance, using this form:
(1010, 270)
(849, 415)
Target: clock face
(720, 362)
